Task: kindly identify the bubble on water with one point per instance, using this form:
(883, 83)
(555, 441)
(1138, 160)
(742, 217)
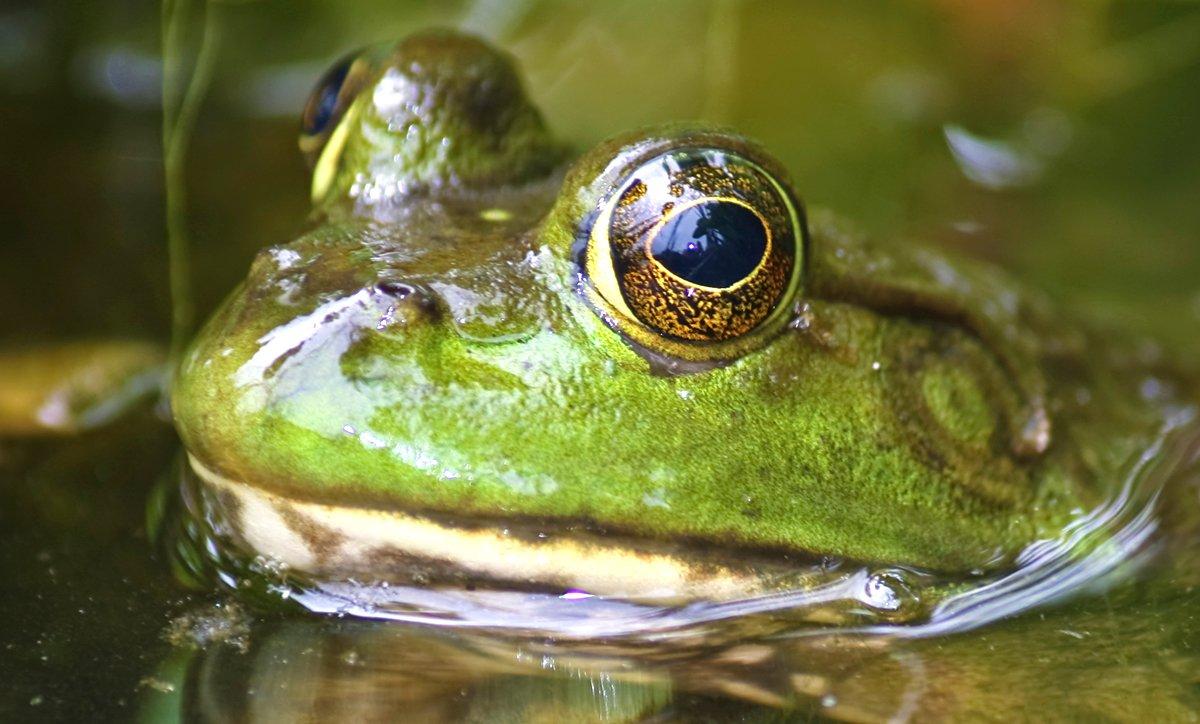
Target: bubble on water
(222, 622)
(888, 590)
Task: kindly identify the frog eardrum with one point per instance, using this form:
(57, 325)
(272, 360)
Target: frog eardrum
(694, 250)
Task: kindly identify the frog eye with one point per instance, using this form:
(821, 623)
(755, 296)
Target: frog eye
(327, 103)
(698, 246)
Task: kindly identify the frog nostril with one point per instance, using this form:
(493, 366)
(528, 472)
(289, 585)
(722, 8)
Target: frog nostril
(407, 304)
(398, 290)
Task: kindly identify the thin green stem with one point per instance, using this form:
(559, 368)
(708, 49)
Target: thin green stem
(179, 119)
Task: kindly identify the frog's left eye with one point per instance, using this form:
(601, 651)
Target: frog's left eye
(699, 247)
(327, 103)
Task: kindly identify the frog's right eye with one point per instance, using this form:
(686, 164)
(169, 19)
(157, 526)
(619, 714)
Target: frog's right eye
(327, 103)
(697, 253)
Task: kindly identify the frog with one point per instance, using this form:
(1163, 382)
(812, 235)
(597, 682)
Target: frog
(643, 372)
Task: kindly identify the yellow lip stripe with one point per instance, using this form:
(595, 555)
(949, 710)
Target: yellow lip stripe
(323, 539)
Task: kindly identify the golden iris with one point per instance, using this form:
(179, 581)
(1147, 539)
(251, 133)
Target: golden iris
(699, 245)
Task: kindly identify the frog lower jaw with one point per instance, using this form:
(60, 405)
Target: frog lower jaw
(344, 541)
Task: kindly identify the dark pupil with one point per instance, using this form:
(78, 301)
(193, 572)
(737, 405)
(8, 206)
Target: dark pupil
(713, 244)
(324, 102)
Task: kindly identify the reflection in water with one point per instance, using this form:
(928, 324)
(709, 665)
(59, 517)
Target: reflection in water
(359, 672)
(1062, 663)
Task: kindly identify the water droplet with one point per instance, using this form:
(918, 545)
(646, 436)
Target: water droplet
(803, 317)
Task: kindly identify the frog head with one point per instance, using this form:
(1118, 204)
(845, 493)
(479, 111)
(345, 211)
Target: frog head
(644, 371)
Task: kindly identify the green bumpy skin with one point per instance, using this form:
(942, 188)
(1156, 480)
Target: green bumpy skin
(432, 347)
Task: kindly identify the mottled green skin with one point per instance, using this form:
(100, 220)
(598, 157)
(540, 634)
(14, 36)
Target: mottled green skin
(407, 352)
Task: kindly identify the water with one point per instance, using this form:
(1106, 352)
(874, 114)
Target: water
(1058, 139)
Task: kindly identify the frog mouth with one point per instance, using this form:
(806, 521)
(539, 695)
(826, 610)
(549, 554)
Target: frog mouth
(332, 541)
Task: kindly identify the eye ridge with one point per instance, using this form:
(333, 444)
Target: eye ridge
(676, 210)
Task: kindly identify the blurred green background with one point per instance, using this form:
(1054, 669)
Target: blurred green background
(1059, 139)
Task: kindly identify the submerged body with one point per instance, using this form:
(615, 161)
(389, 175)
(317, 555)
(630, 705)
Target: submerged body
(644, 373)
